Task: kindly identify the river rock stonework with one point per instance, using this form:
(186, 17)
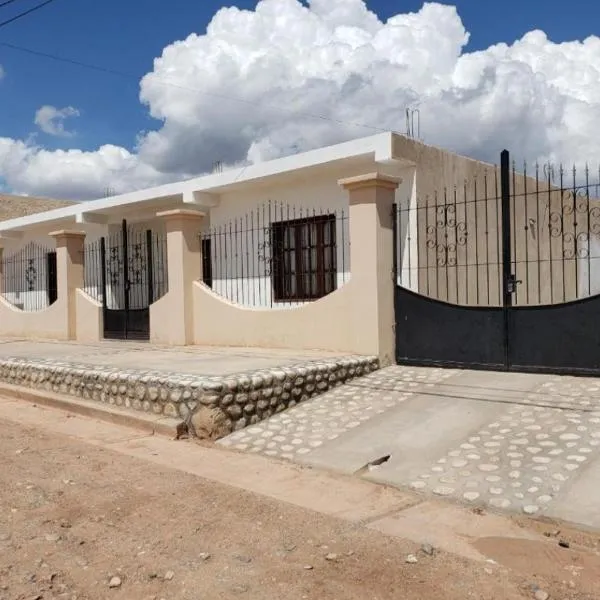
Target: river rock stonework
(211, 406)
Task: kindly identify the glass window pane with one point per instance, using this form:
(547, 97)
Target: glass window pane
(306, 257)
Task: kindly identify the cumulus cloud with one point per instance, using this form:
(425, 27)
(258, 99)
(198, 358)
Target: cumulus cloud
(51, 120)
(290, 76)
(73, 173)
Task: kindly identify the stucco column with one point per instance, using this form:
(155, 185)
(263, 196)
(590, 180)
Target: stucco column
(69, 274)
(172, 317)
(371, 198)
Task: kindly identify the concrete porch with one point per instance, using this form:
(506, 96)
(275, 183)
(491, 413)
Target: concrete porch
(206, 361)
(230, 388)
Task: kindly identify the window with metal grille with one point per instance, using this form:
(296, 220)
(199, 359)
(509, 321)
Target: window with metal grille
(304, 258)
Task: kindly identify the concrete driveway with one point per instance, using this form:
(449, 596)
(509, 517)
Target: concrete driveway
(525, 443)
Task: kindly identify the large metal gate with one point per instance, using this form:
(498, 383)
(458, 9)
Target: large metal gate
(501, 272)
(126, 272)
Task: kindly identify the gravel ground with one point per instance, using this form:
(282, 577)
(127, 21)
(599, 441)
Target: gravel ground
(76, 519)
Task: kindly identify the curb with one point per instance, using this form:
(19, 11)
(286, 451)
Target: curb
(153, 424)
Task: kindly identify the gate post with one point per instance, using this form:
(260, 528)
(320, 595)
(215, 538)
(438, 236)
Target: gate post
(371, 198)
(508, 279)
(69, 275)
(172, 316)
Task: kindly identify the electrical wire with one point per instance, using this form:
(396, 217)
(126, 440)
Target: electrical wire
(7, 2)
(24, 13)
(161, 81)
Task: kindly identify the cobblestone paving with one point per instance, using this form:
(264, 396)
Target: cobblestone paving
(306, 427)
(574, 393)
(523, 460)
(520, 461)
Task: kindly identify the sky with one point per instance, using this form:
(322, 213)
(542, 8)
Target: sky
(193, 82)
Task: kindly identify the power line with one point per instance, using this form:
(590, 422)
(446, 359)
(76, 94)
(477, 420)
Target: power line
(69, 61)
(24, 13)
(161, 81)
(7, 2)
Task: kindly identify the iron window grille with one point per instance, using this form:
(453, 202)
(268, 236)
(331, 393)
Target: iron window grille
(304, 258)
(277, 254)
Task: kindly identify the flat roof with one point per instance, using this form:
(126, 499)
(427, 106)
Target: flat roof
(197, 191)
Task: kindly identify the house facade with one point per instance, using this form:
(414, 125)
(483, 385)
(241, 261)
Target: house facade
(300, 252)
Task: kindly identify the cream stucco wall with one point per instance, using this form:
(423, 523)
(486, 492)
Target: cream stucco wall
(356, 318)
(322, 325)
(544, 229)
(172, 317)
(472, 275)
(59, 320)
(89, 318)
(50, 323)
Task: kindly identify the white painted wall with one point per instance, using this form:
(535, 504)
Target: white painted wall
(38, 298)
(14, 289)
(25, 274)
(240, 261)
(26, 295)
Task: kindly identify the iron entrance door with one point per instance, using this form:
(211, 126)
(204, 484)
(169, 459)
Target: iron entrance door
(501, 272)
(127, 281)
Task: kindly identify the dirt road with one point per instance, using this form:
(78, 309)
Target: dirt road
(76, 519)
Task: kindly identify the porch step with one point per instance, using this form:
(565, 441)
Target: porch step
(149, 423)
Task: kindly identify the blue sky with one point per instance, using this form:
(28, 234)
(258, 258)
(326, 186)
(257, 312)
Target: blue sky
(287, 65)
(127, 34)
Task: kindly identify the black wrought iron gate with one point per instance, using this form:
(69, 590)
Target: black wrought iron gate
(128, 283)
(502, 272)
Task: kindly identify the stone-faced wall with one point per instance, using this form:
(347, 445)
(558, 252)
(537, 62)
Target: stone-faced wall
(211, 406)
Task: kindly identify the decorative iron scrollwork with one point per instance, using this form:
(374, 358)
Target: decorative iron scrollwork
(137, 264)
(575, 246)
(28, 277)
(446, 235)
(265, 251)
(594, 220)
(31, 275)
(114, 265)
(574, 235)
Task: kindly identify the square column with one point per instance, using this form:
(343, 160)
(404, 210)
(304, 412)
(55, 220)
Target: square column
(69, 274)
(371, 198)
(172, 316)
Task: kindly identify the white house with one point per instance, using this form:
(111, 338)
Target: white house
(265, 254)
